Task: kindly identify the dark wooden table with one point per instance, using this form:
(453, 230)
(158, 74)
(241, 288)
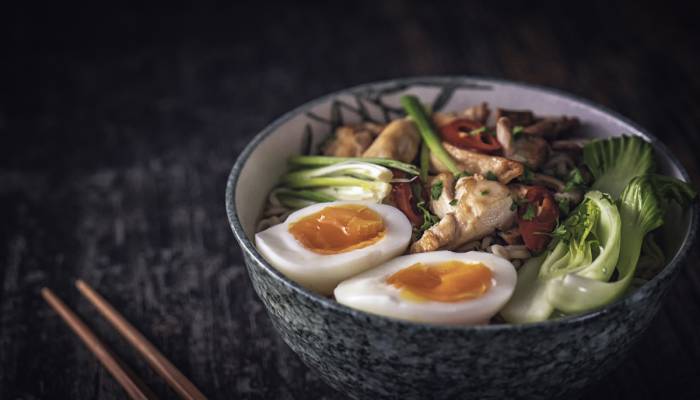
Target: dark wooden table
(118, 128)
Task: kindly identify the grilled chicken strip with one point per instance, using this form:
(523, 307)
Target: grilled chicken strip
(441, 206)
(505, 170)
(351, 140)
(482, 207)
(399, 141)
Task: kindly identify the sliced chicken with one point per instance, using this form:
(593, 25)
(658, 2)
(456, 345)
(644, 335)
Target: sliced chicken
(504, 169)
(351, 140)
(482, 207)
(399, 141)
(441, 206)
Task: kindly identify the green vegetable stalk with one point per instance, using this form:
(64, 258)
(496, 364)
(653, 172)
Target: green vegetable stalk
(415, 110)
(322, 161)
(642, 206)
(424, 162)
(343, 181)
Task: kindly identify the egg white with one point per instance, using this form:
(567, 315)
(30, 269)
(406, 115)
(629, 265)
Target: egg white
(322, 272)
(370, 292)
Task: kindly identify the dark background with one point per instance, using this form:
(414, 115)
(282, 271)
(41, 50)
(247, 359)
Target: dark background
(118, 127)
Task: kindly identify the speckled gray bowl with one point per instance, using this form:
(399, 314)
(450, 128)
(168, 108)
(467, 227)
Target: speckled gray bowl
(368, 356)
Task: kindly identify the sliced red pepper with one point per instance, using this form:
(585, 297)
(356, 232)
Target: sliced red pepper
(403, 198)
(536, 230)
(470, 135)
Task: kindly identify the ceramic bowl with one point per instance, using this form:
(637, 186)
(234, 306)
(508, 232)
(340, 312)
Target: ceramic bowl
(368, 356)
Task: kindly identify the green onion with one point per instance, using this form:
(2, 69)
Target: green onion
(517, 131)
(453, 202)
(491, 176)
(354, 169)
(320, 161)
(424, 161)
(477, 131)
(415, 110)
(310, 195)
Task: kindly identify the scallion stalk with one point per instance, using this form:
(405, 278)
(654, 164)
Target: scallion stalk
(321, 161)
(416, 111)
(424, 162)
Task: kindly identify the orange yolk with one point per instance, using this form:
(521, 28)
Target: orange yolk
(448, 281)
(337, 229)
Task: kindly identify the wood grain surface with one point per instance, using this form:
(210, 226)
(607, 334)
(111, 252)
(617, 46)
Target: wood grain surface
(118, 127)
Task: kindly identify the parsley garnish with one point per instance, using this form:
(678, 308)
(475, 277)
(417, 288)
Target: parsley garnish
(491, 176)
(564, 205)
(517, 131)
(575, 180)
(453, 202)
(527, 175)
(529, 214)
(463, 174)
(436, 190)
(484, 192)
(428, 219)
(513, 206)
(477, 131)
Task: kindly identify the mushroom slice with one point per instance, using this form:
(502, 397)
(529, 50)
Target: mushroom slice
(517, 117)
(504, 134)
(504, 169)
(569, 144)
(530, 150)
(399, 141)
(550, 127)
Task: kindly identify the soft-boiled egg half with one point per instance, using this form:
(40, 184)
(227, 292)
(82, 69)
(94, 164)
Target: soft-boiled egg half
(323, 244)
(440, 287)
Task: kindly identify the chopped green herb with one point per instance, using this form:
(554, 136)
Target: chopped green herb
(517, 131)
(529, 214)
(527, 175)
(574, 181)
(428, 218)
(436, 190)
(453, 202)
(463, 174)
(491, 176)
(477, 131)
(564, 206)
(484, 192)
(513, 206)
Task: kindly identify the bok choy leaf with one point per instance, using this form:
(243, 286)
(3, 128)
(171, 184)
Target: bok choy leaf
(615, 161)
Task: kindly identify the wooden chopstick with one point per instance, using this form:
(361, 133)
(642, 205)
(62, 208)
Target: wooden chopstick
(126, 378)
(163, 367)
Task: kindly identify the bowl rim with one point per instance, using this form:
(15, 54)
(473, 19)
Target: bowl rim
(248, 246)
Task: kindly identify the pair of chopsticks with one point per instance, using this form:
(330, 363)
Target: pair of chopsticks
(126, 378)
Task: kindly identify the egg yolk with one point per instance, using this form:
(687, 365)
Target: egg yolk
(449, 281)
(337, 229)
